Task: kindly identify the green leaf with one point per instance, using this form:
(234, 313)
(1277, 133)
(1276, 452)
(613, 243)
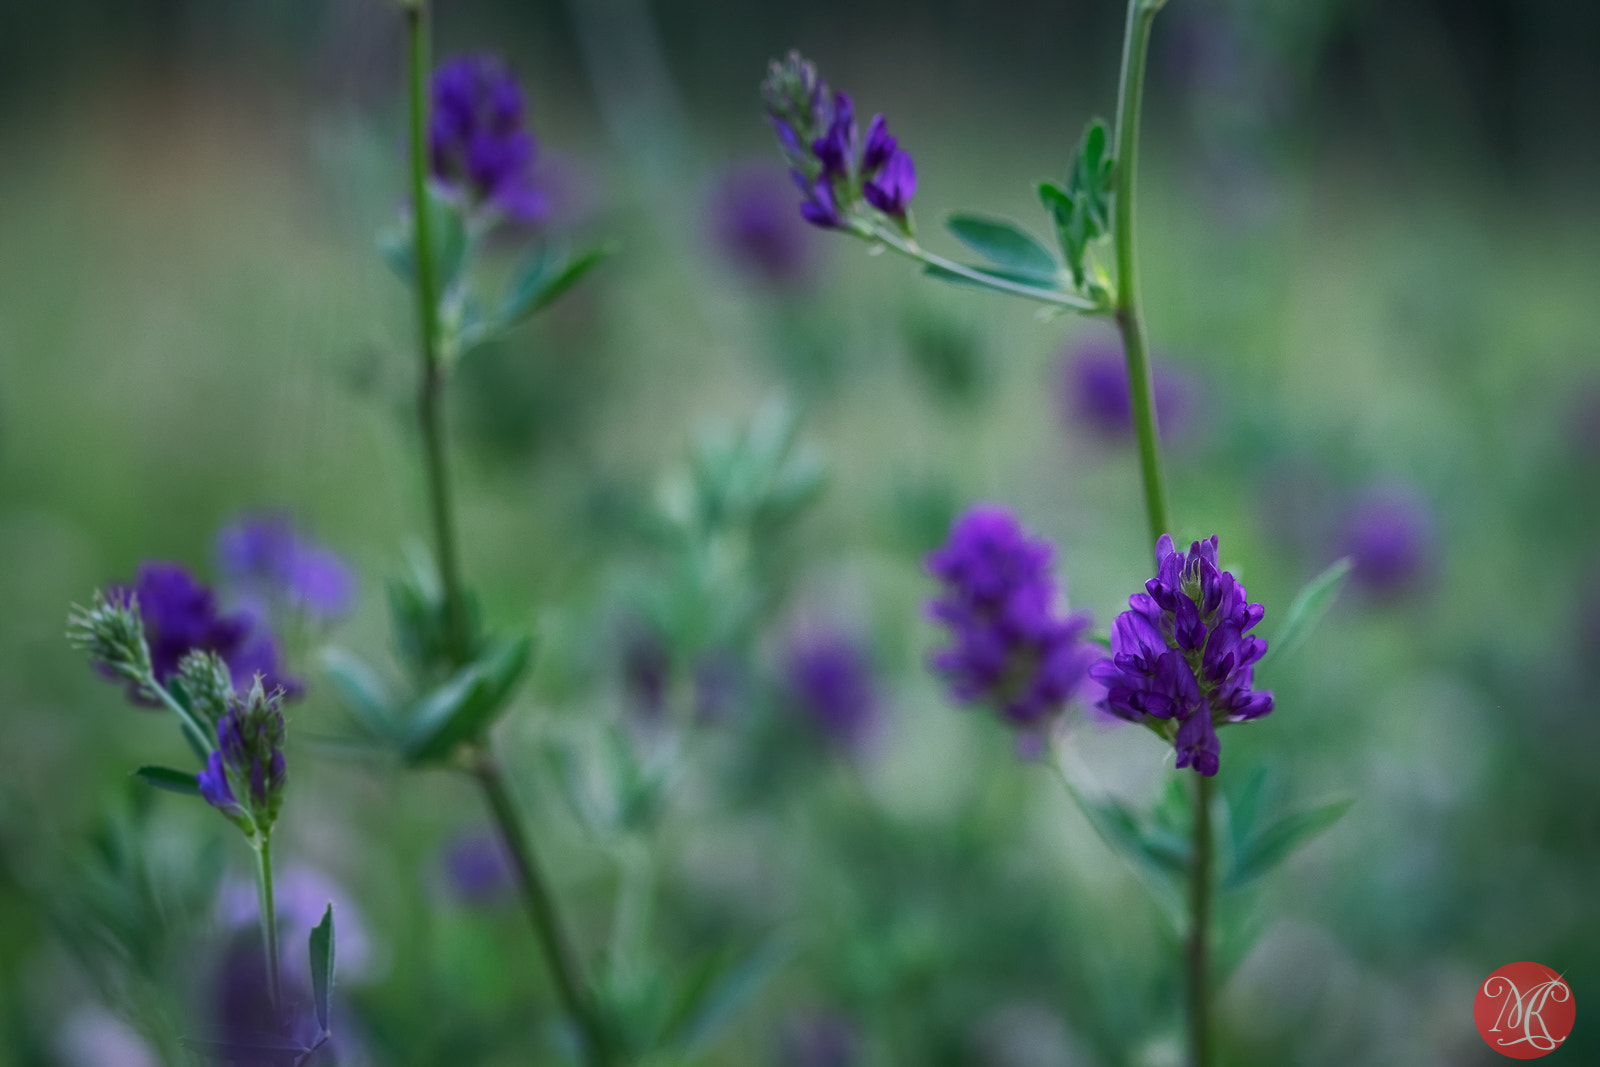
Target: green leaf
(362, 692)
(1308, 608)
(1007, 246)
(1282, 839)
(247, 1049)
(172, 781)
(322, 967)
(466, 705)
(1082, 208)
(450, 244)
(714, 997)
(945, 275)
(543, 278)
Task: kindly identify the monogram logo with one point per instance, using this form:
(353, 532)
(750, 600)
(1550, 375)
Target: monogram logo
(1524, 1010)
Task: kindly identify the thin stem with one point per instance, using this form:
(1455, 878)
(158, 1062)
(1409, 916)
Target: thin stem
(269, 923)
(910, 248)
(558, 953)
(1141, 13)
(430, 387)
(191, 725)
(1199, 955)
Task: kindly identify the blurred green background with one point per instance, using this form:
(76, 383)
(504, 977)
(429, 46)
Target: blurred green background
(1369, 244)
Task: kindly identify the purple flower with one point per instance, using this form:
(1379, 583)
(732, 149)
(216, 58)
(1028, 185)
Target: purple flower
(267, 561)
(1010, 649)
(476, 140)
(1183, 660)
(822, 145)
(475, 869)
(830, 679)
(1093, 391)
(646, 670)
(180, 615)
(1389, 535)
(819, 1039)
(754, 226)
(245, 777)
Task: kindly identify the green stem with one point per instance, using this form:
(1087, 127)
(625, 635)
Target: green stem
(910, 248)
(269, 923)
(558, 954)
(1136, 44)
(206, 739)
(1199, 956)
(430, 387)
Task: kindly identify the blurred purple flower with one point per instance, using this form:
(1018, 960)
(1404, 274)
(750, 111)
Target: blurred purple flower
(180, 615)
(646, 670)
(1183, 654)
(301, 895)
(821, 143)
(476, 140)
(829, 675)
(753, 224)
(1585, 421)
(266, 561)
(475, 869)
(1010, 649)
(1389, 535)
(818, 1038)
(1093, 391)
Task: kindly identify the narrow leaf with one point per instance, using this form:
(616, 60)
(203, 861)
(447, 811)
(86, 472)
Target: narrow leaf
(1309, 606)
(172, 781)
(467, 704)
(322, 967)
(362, 691)
(720, 1001)
(543, 278)
(956, 278)
(1282, 839)
(1006, 245)
(247, 1048)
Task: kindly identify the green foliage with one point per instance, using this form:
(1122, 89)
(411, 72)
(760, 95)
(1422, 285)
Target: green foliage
(1259, 851)
(1307, 609)
(1007, 246)
(466, 705)
(165, 778)
(322, 969)
(1081, 209)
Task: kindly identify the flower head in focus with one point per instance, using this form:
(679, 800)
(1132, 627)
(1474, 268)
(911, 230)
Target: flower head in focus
(1183, 658)
(1010, 649)
(266, 561)
(829, 678)
(836, 172)
(147, 628)
(478, 146)
(246, 775)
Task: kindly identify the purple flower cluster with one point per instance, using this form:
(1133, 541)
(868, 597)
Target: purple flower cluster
(1011, 649)
(830, 679)
(267, 561)
(245, 777)
(181, 614)
(476, 869)
(754, 226)
(477, 144)
(1183, 656)
(834, 170)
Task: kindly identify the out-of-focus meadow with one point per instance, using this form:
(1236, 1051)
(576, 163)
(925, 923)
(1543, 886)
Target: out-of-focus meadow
(1370, 263)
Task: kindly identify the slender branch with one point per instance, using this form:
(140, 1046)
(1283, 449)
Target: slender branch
(558, 953)
(1199, 955)
(269, 924)
(1141, 13)
(430, 387)
(911, 249)
(191, 725)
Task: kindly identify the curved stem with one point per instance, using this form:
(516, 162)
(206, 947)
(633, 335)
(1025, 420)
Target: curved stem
(910, 248)
(1198, 984)
(558, 954)
(1141, 13)
(269, 924)
(430, 387)
(191, 725)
